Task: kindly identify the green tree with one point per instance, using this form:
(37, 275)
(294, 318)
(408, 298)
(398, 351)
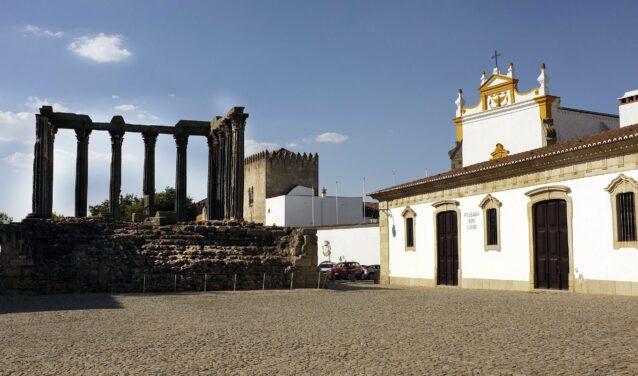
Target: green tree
(56, 217)
(5, 219)
(130, 203)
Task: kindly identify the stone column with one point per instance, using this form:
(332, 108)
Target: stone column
(82, 170)
(43, 164)
(227, 171)
(181, 141)
(117, 136)
(219, 194)
(213, 145)
(237, 181)
(150, 138)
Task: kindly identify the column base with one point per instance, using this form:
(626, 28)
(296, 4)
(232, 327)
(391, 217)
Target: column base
(36, 216)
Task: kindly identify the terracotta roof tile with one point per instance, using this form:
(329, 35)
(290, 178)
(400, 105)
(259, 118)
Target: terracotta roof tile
(607, 137)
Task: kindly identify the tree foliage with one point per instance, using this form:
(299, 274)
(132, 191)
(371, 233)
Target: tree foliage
(130, 203)
(5, 219)
(56, 217)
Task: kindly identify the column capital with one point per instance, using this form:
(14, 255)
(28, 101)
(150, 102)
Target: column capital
(117, 134)
(149, 137)
(82, 133)
(181, 138)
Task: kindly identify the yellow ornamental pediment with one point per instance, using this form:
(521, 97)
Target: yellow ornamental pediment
(498, 91)
(497, 81)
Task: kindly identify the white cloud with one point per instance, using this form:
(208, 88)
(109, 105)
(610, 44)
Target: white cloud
(126, 107)
(331, 137)
(18, 159)
(36, 103)
(38, 31)
(101, 48)
(115, 96)
(146, 115)
(251, 146)
(172, 95)
(17, 127)
(292, 145)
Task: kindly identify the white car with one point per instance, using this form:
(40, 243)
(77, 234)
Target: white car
(325, 266)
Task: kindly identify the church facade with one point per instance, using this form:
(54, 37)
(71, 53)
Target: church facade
(538, 197)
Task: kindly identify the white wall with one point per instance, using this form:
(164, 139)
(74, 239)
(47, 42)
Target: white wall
(356, 243)
(517, 127)
(296, 211)
(628, 114)
(573, 124)
(593, 253)
(420, 262)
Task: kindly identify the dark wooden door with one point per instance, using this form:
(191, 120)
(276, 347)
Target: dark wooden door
(551, 248)
(447, 249)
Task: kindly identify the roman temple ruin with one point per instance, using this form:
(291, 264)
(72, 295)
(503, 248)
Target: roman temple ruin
(225, 136)
(165, 252)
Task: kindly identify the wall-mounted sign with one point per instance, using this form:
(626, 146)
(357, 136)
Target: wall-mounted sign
(471, 219)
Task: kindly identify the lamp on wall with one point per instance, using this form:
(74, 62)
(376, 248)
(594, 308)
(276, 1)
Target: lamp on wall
(389, 214)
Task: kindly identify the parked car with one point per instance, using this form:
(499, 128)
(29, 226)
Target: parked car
(346, 270)
(370, 271)
(325, 266)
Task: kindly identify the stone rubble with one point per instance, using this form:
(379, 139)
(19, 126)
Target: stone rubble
(96, 254)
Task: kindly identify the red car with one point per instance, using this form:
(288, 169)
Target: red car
(346, 270)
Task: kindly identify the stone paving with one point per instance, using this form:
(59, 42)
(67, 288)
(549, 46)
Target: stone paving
(359, 329)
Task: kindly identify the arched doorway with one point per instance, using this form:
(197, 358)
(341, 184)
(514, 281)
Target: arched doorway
(551, 245)
(447, 248)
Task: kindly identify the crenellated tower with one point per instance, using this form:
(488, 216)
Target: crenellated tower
(274, 173)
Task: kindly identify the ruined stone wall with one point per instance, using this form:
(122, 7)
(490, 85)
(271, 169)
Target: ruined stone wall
(92, 255)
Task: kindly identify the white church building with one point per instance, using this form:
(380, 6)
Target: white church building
(539, 197)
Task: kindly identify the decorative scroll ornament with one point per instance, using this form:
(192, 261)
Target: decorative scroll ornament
(499, 152)
(499, 99)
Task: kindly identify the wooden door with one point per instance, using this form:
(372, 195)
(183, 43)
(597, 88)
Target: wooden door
(447, 249)
(551, 248)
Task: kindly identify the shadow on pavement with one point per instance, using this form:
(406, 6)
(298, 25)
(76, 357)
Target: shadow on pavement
(61, 302)
(341, 285)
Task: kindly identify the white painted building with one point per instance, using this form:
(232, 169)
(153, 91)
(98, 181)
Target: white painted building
(299, 206)
(349, 243)
(530, 214)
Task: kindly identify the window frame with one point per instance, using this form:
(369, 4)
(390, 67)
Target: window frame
(491, 202)
(409, 213)
(622, 184)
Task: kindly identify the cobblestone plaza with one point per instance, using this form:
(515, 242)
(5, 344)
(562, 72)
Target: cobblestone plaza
(356, 329)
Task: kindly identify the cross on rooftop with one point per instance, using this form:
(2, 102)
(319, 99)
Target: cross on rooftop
(495, 57)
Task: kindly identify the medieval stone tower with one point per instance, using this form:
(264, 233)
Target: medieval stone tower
(274, 173)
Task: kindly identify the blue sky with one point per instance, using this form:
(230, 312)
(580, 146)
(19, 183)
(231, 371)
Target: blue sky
(369, 85)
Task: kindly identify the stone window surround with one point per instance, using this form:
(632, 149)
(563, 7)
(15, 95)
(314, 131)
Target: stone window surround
(440, 207)
(621, 184)
(408, 212)
(490, 202)
(555, 192)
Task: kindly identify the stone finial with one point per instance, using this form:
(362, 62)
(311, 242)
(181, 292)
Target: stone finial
(483, 78)
(496, 70)
(460, 102)
(543, 80)
(510, 71)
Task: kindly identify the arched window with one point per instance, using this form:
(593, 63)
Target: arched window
(409, 219)
(623, 191)
(491, 223)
